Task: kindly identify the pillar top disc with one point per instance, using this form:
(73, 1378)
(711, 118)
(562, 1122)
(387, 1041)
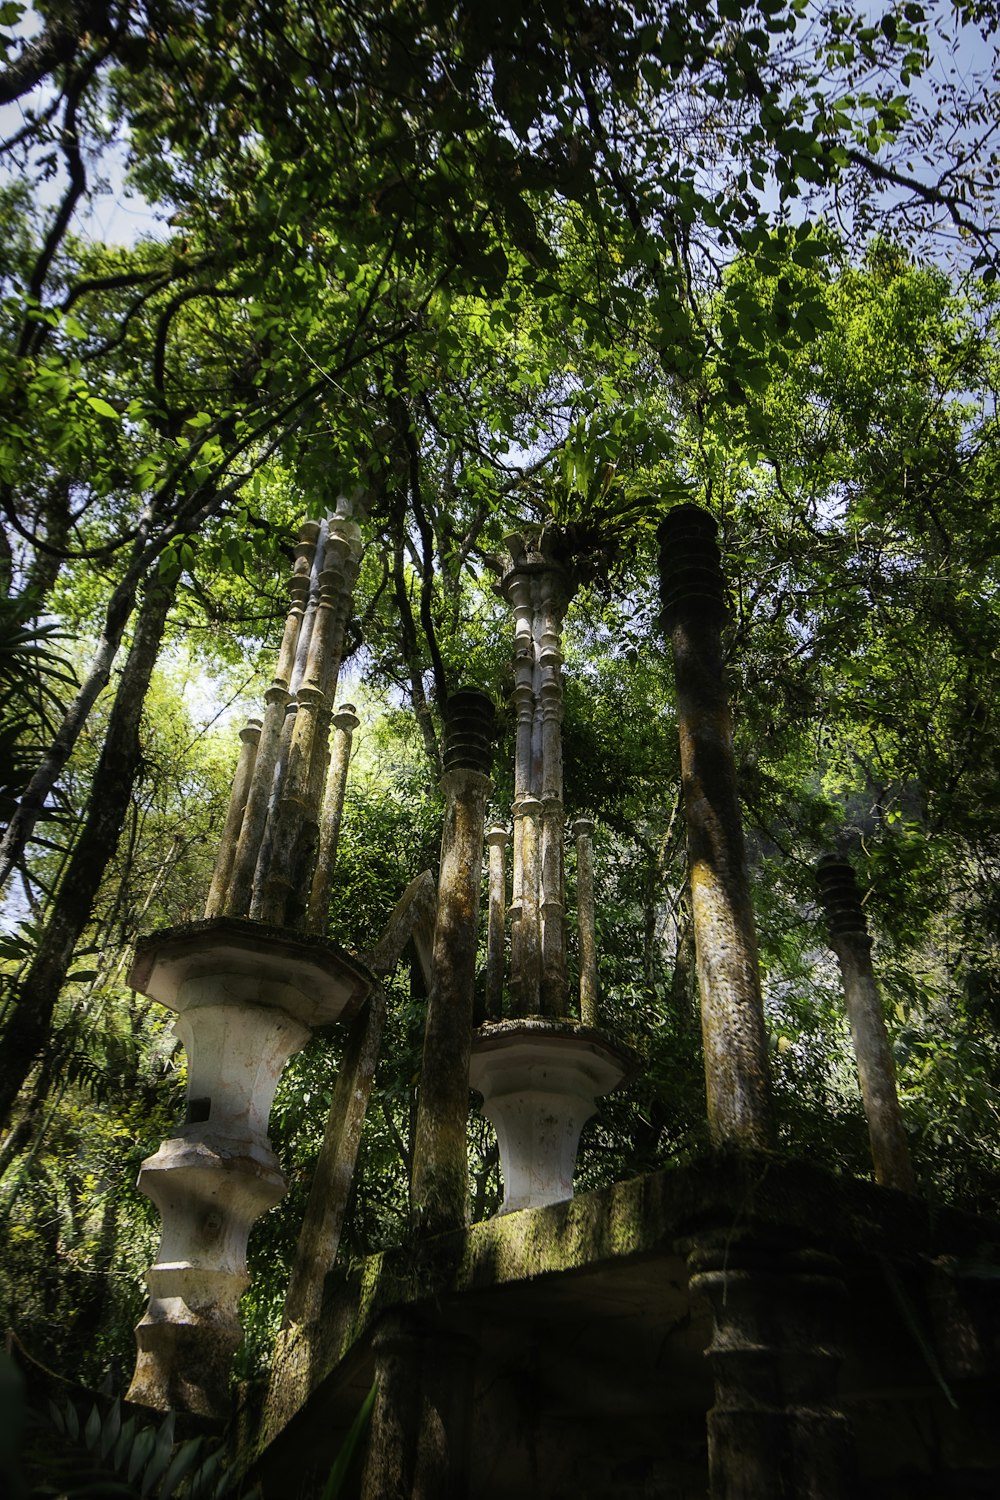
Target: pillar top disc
(311, 979)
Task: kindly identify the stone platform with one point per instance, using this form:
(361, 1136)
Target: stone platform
(854, 1330)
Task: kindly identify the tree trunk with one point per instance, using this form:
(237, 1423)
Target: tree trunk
(29, 1023)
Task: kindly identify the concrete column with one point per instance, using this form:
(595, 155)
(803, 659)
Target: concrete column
(525, 945)
(280, 873)
(345, 721)
(439, 1186)
(551, 605)
(775, 1432)
(276, 699)
(245, 1001)
(496, 839)
(394, 1433)
(418, 1446)
(736, 1070)
(330, 1190)
(525, 957)
(850, 941)
(250, 735)
(583, 830)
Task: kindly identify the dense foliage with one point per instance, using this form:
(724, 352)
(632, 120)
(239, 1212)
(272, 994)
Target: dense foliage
(558, 269)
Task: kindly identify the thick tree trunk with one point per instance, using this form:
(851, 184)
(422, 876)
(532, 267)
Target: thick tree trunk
(29, 1022)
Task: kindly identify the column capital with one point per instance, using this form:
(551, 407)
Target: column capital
(346, 717)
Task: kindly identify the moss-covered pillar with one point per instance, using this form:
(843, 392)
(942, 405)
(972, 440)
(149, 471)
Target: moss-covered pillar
(496, 838)
(236, 901)
(438, 1188)
(345, 722)
(736, 1071)
(586, 921)
(250, 736)
(852, 944)
(418, 1447)
(395, 1425)
(525, 947)
(774, 1432)
(551, 595)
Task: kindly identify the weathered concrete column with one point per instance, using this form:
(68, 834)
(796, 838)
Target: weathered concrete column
(276, 699)
(250, 736)
(540, 1080)
(440, 1166)
(586, 922)
(525, 946)
(418, 1447)
(496, 838)
(551, 593)
(345, 721)
(246, 998)
(852, 944)
(775, 1432)
(329, 1192)
(736, 1070)
(287, 849)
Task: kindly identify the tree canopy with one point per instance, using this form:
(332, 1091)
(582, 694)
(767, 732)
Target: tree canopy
(554, 267)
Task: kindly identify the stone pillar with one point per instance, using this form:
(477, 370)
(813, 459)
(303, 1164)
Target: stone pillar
(330, 1190)
(537, 590)
(551, 606)
(736, 1070)
(525, 947)
(345, 721)
(440, 1167)
(285, 863)
(418, 1446)
(540, 1080)
(276, 699)
(246, 1000)
(250, 735)
(583, 830)
(775, 1432)
(850, 941)
(525, 954)
(496, 838)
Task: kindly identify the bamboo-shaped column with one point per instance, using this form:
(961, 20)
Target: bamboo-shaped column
(247, 997)
(234, 897)
(440, 1160)
(586, 922)
(540, 1073)
(736, 1070)
(496, 838)
(550, 594)
(850, 940)
(279, 872)
(250, 735)
(537, 591)
(345, 722)
(525, 954)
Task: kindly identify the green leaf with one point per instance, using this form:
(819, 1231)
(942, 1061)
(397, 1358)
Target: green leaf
(103, 408)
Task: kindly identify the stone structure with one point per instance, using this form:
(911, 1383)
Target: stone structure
(575, 1341)
(440, 1150)
(540, 1071)
(732, 1013)
(850, 941)
(248, 992)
